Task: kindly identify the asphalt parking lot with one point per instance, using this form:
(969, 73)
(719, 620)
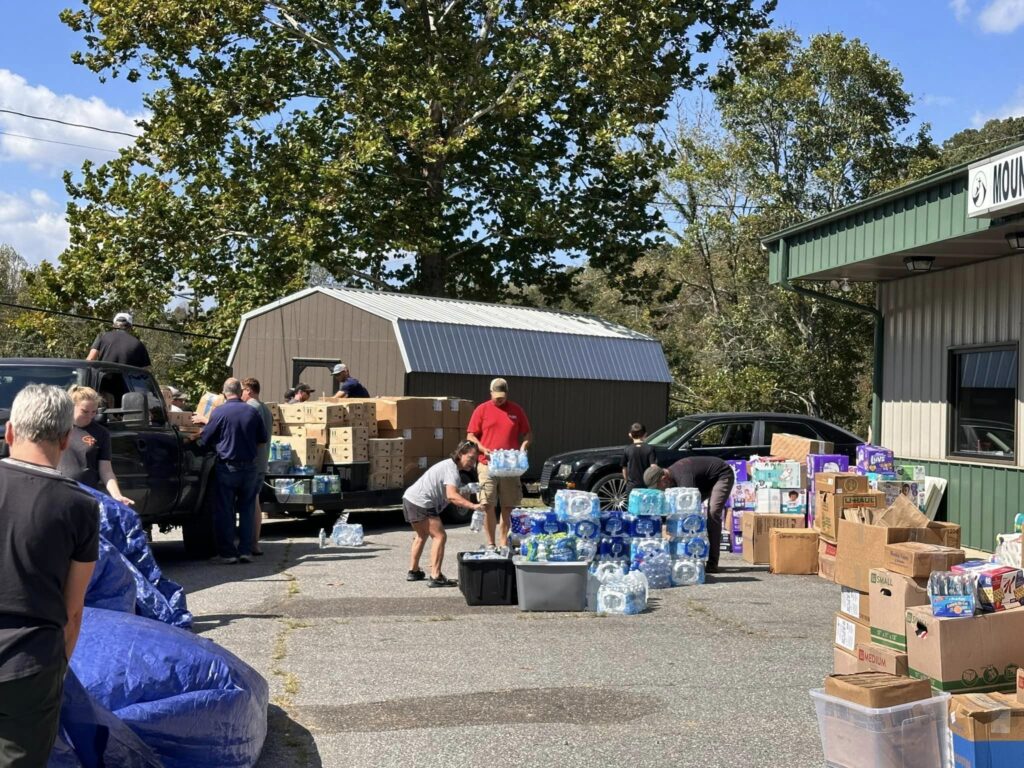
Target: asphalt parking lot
(366, 669)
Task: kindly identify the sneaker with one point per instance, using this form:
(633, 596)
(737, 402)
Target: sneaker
(415, 576)
(441, 581)
(245, 558)
(227, 560)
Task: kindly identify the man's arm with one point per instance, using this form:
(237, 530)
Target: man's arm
(79, 575)
(93, 355)
(527, 439)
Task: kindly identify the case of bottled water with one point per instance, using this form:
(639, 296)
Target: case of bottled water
(647, 502)
(615, 524)
(682, 501)
(577, 505)
(548, 523)
(658, 570)
(625, 595)
(686, 572)
(507, 463)
(522, 522)
(344, 534)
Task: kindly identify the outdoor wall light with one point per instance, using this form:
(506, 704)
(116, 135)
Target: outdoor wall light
(1015, 240)
(918, 263)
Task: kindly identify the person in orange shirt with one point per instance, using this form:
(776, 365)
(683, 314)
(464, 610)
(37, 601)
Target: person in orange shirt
(499, 424)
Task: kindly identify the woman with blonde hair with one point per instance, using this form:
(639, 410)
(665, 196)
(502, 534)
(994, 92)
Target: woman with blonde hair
(87, 458)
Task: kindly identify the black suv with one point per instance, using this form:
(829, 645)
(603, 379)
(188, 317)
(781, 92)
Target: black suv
(156, 468)
(725, 435)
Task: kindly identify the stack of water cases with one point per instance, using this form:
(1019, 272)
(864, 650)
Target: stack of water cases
(686, 525)
(570, 531)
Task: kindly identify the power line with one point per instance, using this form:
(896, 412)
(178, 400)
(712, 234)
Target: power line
(62, 143)
(65, 122)
(100, 320)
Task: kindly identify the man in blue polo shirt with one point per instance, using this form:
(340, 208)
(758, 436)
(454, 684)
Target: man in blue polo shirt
(347, 385)
(236, 433)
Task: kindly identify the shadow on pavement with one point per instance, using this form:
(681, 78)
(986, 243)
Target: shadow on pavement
(289, 744)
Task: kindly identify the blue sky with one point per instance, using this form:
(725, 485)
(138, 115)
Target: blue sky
(958, 57)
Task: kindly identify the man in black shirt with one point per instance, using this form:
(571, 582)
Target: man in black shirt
(49, 542)
(637, 458)
(713, 478)
(119, 345)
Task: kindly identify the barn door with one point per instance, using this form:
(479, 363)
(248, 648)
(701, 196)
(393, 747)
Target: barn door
(314, 371)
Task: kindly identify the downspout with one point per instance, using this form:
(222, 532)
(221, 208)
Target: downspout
(879, 343)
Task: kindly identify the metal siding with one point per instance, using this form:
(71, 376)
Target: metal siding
(918, 219)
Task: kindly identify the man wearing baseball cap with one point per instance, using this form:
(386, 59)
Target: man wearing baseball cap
(345, 384)
(301, 393)
(119, 345)
(499, 424)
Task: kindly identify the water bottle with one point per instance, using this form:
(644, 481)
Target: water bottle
(523, 462)
(682, 501)
(697, 546)
(477, 522)
(611, 597)
(687, 572)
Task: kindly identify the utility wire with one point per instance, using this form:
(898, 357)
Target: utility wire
(62, 143)
(65, 122)
(100, 320)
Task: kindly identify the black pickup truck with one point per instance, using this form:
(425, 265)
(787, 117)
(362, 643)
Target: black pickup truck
(165, 475)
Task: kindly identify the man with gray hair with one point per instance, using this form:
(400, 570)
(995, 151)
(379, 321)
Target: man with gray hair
(119, 345)
(49, 543)
(235, 432)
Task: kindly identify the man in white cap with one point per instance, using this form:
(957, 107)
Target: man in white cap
(498, 424)
(119, 345)
(345, 384)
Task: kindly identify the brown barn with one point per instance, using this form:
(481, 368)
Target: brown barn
(582, 380)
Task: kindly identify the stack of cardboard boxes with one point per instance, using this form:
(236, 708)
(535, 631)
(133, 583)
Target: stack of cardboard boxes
(430, 428)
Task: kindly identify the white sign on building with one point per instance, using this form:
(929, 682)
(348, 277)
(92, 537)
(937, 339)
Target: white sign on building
(995, 186)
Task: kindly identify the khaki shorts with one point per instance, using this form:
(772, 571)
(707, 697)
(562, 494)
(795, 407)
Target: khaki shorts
(499, 492)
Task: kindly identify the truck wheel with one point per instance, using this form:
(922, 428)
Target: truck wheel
(611, 491)
(197, 533)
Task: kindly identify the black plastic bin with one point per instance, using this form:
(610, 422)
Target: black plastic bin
(488, 582)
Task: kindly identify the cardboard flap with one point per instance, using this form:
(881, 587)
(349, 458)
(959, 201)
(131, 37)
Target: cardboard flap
(877, 689)
(902, 514)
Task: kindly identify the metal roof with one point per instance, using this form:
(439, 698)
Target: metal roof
(465, 337)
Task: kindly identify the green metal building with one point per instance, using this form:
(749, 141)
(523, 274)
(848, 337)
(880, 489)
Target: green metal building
(947, 256)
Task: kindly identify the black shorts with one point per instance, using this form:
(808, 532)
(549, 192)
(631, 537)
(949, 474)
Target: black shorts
(415, 513)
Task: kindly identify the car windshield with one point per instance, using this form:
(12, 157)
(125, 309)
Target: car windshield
(670, 434)
(14, 378)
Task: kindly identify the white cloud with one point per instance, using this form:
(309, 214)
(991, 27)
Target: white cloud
(961, 9)
(1002, 16)
(34, 225)
(46, 156)
(933, 100)
(1012, 108)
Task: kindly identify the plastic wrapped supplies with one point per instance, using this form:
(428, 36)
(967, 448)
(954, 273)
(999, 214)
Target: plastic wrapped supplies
(504, 463)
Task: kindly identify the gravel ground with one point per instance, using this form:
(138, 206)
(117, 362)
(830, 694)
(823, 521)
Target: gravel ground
(366, 669)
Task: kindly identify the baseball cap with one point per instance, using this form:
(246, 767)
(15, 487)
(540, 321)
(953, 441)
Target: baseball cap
(123, 317)
(652, 476)
(499, 385)
(303, 388)
(176, 394)
(339, 368)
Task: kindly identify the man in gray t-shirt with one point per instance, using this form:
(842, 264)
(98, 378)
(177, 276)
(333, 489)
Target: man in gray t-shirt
(251, 395)
(423, 504)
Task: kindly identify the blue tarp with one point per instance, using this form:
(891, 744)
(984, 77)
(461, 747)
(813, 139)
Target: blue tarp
(113, 584)
(155, 596)
(193, 703)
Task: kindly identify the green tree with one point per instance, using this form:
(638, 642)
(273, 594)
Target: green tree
(451, 147)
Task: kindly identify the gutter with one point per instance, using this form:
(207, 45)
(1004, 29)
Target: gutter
(879, 340)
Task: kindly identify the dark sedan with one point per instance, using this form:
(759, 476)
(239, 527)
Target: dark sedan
(725, 435)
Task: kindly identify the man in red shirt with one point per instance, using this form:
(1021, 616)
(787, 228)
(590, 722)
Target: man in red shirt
(499, 424)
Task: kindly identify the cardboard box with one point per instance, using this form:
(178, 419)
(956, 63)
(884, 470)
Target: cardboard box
(396, 413)
(396, 478)
(180, 419)
(966, 655)
(902, 512)
(830, 508)
(849, 632)
(865, 549)
(456, 414)
(381, 446)
(855, 604)
(756, 532)
(794, 502)
(793, 551)
(874, 458)
(452, 439)
(413, 468)
(876, 689)
(797, 448)
(316, 432)
(827, 559)
(845, 663)
(275, 411)
(1020, 685)
(894, 489)
(207, 403)
(379, 481)
(889, 596)
(744, 496)
(418, 442)
(988, 731)
(840, 482)
(912, 558)
(774, 473)
(878, 658)
(293, 414)
(345, 454)
(380, 464)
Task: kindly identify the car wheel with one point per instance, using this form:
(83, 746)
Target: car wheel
(612, 493)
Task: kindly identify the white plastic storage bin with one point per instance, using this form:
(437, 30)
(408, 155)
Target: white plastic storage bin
(912, 735)
(551, 586)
